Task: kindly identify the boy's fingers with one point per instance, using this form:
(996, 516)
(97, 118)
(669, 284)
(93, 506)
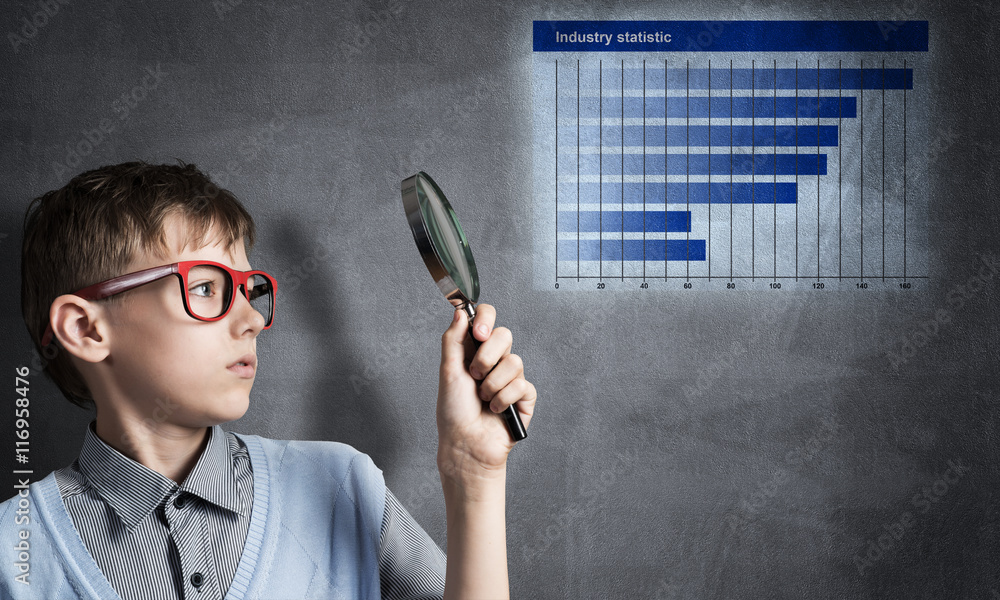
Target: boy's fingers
(507, 370)
(486, 316)
(491, 352)
(520, 391)
(452, 341)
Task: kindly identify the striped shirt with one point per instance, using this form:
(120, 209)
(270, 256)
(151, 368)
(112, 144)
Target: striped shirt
(154, 539)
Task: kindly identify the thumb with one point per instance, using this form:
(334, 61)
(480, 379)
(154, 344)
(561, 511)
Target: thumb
(453, 342)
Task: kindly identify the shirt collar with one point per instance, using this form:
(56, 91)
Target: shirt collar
(213, 477)
(133, 490)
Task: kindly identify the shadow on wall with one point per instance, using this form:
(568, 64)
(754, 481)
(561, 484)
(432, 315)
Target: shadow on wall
(333, 409)
(55, 427)
(10, 267)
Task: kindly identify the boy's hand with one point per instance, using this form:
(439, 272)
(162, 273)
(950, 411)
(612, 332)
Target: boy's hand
(473, 441)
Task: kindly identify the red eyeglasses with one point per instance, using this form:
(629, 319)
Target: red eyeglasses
(206, 287)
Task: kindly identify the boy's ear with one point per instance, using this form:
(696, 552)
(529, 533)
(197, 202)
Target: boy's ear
(81, 327)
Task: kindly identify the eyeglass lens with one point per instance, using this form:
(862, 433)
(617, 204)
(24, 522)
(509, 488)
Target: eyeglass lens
(261, 296)
(210, 292)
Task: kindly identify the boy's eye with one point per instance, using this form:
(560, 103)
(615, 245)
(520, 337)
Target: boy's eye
(205, 289)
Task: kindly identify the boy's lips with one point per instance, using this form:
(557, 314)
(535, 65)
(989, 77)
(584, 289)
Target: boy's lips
(245, 366)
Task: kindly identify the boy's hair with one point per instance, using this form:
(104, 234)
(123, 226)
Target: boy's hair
(91, 229)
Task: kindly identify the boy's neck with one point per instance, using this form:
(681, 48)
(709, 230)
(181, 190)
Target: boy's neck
(169, 450)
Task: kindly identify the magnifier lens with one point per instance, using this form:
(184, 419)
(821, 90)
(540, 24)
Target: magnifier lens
(447, 256)
(448, 238)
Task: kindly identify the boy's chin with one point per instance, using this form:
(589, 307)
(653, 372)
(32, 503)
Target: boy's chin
(232, 410)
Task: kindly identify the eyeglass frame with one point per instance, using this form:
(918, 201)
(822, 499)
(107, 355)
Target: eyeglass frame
(129, 281)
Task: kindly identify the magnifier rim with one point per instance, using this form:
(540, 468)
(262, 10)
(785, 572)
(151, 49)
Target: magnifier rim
(425, 243)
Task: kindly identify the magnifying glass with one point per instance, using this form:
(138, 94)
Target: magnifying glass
(446, 253)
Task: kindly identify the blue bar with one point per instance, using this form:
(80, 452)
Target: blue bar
(698, 164)
(610, 106)
(774, 164)
(762, 107)
(611, 250)
(611, 221)
(761, 78)
(695, 193)
(730, 36)
(698, 135)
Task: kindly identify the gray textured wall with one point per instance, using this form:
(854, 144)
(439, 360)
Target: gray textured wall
(803, 444)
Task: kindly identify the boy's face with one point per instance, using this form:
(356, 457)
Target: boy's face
(178, 370)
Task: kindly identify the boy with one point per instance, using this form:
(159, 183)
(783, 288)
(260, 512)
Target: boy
(139, 274)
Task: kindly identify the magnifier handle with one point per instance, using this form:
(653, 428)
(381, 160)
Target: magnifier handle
(510, 415)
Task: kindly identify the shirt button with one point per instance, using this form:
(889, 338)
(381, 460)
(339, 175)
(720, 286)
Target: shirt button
(179, 502)
(197, 579)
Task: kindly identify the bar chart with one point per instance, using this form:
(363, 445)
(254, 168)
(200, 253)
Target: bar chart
(796, 160)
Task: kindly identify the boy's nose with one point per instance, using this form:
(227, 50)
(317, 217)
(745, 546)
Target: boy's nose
(246, 312)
